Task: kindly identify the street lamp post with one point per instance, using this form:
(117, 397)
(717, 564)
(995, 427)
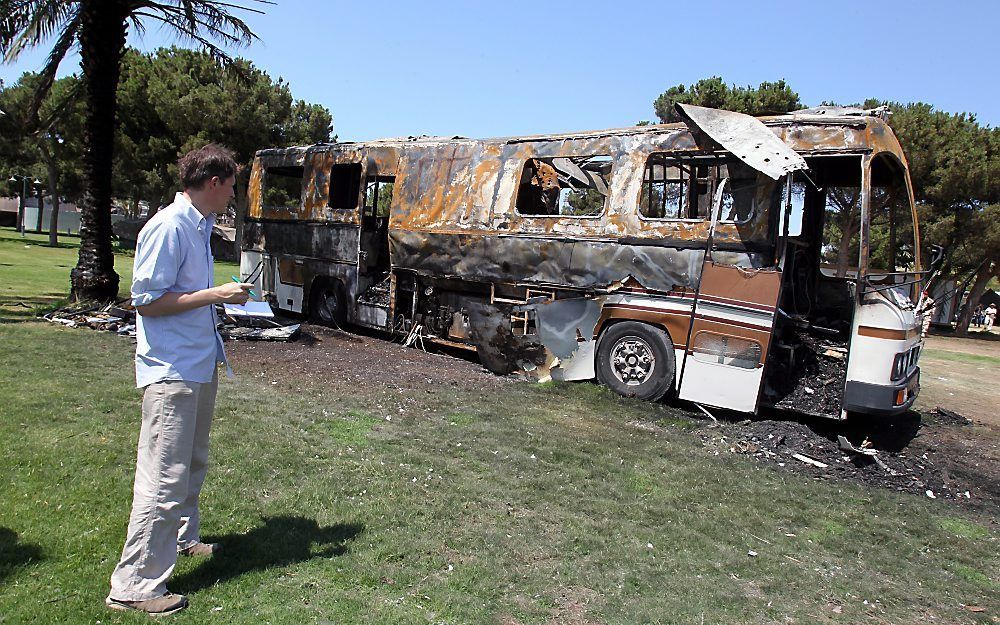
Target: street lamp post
(21, 206)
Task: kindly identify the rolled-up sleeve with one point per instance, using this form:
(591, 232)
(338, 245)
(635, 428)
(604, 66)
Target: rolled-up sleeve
(157, 260)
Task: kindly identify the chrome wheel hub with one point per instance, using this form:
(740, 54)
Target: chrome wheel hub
(632, 360)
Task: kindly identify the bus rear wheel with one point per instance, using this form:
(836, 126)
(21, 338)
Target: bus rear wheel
(327, 304)
(636, 360)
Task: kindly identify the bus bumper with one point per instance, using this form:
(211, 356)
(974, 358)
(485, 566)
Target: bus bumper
(879, 399)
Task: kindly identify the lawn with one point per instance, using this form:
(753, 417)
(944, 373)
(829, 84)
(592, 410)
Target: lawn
(34, 276)
(553, 503)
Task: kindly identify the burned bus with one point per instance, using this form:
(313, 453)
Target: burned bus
(733, 261)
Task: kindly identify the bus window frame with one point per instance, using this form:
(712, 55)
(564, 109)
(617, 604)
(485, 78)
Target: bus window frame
(680, 156)
(865, 284)
(605, 209)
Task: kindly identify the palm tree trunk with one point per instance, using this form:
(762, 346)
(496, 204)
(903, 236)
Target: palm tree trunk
(102, 43)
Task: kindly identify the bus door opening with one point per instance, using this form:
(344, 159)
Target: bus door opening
(820, 250)
(373, 261)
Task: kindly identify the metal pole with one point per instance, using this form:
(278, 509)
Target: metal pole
(24, 205)
(41, 206)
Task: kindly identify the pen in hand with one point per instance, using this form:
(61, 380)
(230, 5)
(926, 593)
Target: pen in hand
(238, 281)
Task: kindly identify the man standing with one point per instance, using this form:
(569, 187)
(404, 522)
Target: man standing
(991, 316)
(176, 358)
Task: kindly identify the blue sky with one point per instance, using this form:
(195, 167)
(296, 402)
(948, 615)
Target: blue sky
(509, 68)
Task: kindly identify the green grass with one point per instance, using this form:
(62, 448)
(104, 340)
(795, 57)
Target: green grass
(528, 504)
(974, 359)
(35, 277)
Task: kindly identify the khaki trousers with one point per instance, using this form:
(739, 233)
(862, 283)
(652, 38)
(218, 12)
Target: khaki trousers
(169, 472)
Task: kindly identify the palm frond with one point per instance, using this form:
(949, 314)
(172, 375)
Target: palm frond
(207, 23)
(61, 107)
(67, 39)
(30, 22)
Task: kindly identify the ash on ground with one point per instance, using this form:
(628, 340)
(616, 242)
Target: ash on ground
(910, 453)
(809, 374)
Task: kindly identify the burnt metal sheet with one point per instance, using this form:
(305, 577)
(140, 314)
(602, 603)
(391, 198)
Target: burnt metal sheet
(582, 264)
(746, 137)
(566, 328)
(323, 241)
(882, 112)
(499, 349)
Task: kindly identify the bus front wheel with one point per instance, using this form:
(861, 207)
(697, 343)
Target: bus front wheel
(636, 360)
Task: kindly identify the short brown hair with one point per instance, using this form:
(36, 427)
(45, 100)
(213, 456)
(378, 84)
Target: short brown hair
(201, 165)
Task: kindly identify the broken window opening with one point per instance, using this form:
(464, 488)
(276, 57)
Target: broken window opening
(682, 187)
(378, 196)
(568, 186)
(891, 233)
(282, 188)
(841, 248)
(798, 203)
(345, 186)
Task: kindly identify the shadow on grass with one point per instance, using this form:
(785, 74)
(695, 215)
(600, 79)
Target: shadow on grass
(14, 554)
(18, 310)
(280, 541)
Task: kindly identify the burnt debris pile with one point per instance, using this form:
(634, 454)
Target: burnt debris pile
(120, 318)
(882, 458)
(811, 373)
(377, 294)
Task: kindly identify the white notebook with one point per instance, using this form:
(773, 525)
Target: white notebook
(250, 309)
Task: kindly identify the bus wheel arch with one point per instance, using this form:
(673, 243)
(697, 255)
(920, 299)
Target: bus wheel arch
(635, 359)
(327, 301)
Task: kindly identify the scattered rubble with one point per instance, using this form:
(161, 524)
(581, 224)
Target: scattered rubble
(280, 333)
(811, 379)
(950, 416)
(119, 318)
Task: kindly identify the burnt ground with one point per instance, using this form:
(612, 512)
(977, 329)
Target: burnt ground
(942, 453)
(934, 454)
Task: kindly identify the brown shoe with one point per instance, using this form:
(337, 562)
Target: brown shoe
(160, 606)
(200, 549)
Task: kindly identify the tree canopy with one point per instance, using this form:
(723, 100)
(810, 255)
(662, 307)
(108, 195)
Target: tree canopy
(768, 98)
(169, 102)
(175, 100)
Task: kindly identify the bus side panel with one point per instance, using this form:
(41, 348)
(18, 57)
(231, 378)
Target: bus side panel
(295, 254)
(578, 264)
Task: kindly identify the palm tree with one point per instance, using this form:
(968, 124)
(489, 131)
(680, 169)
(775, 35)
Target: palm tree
(98, 28)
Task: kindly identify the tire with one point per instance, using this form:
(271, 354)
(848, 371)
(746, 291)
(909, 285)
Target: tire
(327, 303)
(636, 360)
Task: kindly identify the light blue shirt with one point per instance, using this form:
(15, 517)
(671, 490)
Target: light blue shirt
(174, 255)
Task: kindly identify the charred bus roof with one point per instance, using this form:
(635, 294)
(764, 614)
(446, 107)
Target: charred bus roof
(819, 130)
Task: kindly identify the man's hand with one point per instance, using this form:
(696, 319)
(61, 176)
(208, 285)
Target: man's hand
(174, 303)
(233, 292)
